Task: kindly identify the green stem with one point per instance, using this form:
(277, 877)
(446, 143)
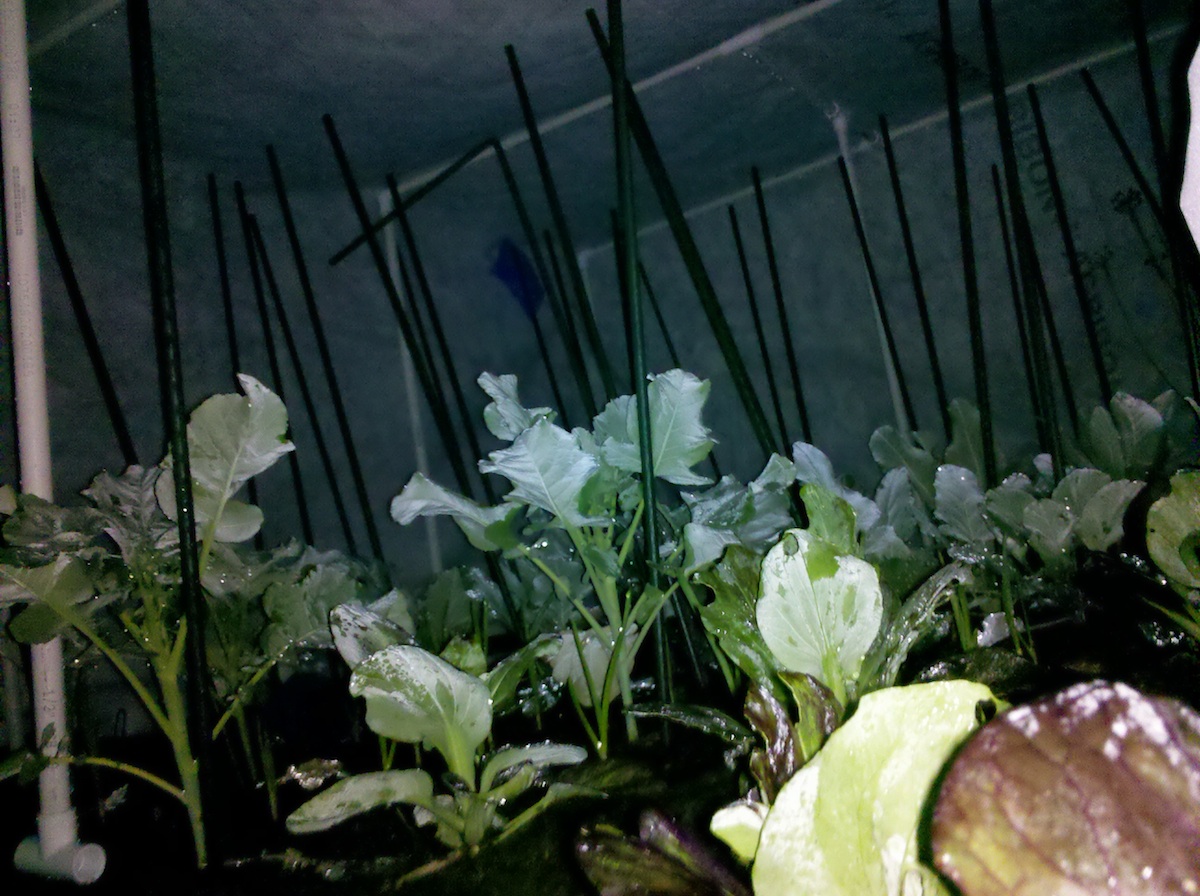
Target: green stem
(124, 767)
(167, 670)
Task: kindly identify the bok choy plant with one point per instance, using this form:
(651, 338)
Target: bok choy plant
(413, 696)
(109, 572)
(574, 513)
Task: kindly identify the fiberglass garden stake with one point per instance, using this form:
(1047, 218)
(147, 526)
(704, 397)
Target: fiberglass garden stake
(108, 391)
(439, 332)
(966, 240)
(785, 327)
(1040, 392)
(560, 223)
(1088, 305)
(627, 269)
(877, 295)
(618, 241)
(756, 317)
(914, 269)
(1183, 301)
(555, 297)
(204, 795)
(235, 359)
(437, 409)
(1033, 290)
(256, 277)
(644, 279)
(289, 342)
(420, 193)
(55, 850)
(686, 242)
(1123, 146)
(318, 330)
(582, 310)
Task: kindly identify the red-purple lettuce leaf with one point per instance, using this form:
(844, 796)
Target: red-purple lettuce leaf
(1094, 790)
(773, 764)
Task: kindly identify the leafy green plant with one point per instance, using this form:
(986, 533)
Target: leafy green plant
(574, 513)
(413, 696)
(109, 572)
(1172, 538)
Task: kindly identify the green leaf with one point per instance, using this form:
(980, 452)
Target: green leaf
(447, 610)
(1101, 525)
(359, 632)
(421, 497)
(1050, 524)
(231, 438)
(1173, 532)
(132, 516)
(819, 611)
(679, 440)
(415, 697)
(846, 824)
(730, 616)
(298, 612)
(959, 505)
(1128, 439)
(585, 671)
(536, 755)
(548, 470)
(966, 442)
(813, 467)
(43, 530)
(1093, 790)
(830, 518)
(505, 416)
(892, 449)
(1006, 503)
(505, 679)
(360, 794)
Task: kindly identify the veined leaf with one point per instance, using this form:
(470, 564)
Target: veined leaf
(730, 616)
(231, 438)
(966, 443)
(505, 416)
(415, 697)
(960, 506)
(679, 440)
(846, 824)
(1173, 532)
(51, 590)
(891, 449)
(548, 470)
(360, 794)
(819, 611)
(421, 497)
(1092, 790)
(813, 467)
(1101, 525)
(299, 611)
(358, 632)
(536, 755)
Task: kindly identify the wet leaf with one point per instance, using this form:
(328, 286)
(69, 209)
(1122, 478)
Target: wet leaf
(360, 794)
(1094, 790)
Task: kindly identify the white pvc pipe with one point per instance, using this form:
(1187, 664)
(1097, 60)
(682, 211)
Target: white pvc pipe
(56, 850)
(412, 399)
(1189, 198)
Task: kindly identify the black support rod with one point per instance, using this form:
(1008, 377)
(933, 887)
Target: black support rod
(966, 241)
(1037, 306)
(439, 332)
(558, 216)
(1158, 142)
(877, 295)
(91, 344)
(760, 334)
(235, 359)
(418, 194)
(1114, 129)
(264, 316)
(310, 406)
(1086, 310)
(1036, 381)
(785, 327)
(555, 296)
(437, 408)
(318, 330)
(914, 269)
(686, 242)
(170, 369)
